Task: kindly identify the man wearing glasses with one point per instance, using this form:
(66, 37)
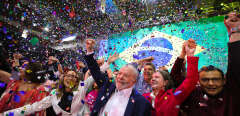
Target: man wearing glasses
(218, 95)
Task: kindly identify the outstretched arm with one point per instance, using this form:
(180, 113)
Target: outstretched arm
(177, 69)
(4, 76)
(233, 25)
(54, 59)
(189, 84)
(31, 108)
(92, 64)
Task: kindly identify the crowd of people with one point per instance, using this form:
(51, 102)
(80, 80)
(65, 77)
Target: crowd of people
(29, 87)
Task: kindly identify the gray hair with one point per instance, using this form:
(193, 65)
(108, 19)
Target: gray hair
(134, 70)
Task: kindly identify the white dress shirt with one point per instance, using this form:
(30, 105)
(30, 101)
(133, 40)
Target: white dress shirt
(117, 103)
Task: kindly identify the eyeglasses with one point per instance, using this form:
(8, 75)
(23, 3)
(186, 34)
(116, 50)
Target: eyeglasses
(214, 80)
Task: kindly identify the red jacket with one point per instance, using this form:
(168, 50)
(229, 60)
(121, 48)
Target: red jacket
(167, 103)
(13, 99)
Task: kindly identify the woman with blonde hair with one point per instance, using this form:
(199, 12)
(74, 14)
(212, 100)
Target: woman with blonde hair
(67, 99)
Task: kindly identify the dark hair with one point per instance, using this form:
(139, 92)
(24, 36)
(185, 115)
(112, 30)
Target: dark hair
(150, 64)
(211, 68)
(35, 73)
(4, 65)
(166, 76)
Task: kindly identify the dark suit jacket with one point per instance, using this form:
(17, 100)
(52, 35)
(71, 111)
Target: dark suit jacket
(137, 104)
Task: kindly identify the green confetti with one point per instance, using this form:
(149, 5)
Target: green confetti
(53, 92)
(19, 5)
(10, 12)
(34, 41)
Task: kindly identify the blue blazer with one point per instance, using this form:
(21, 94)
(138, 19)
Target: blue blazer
(137, 104)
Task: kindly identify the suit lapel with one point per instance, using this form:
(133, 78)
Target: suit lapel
(105, 96)
(109, 92)
(130, 105)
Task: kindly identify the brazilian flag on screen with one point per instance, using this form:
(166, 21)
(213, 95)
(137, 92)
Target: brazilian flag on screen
(164, 43)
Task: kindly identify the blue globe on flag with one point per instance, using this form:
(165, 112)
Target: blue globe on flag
(161, 57)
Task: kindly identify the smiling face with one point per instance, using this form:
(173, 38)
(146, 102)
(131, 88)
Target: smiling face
(70, 79)
(212, 82)
(147, 73)
(158, 81)
(125, 78)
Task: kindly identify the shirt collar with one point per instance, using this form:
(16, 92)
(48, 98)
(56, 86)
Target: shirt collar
(125, 92)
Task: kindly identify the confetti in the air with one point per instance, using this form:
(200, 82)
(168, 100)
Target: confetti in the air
(17, 98)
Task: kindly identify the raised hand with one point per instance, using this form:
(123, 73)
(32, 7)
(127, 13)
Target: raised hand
(232, 20)
(54, 59)
(81, 64)
(113, 58)
(183, 53)
(15, 61)
(90, 43)
(232, 23)
(17, 56)
(190, 47)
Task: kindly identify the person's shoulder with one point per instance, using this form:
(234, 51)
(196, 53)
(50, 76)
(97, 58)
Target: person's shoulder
(146, 94)
(138, 97)
(107, 86)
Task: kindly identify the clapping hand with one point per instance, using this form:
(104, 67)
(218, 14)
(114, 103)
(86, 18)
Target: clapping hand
(190, 47)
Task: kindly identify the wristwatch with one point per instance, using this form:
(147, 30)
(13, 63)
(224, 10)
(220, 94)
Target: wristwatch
(234, 30)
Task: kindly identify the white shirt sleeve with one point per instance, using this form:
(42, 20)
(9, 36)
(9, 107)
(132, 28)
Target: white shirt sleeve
(31, 108)
(104, 67)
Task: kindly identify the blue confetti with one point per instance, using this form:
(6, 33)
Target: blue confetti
(182, 31)
(16, 98)
(25, 80)
(11, 45)
(4, 30)
(177, 92)
(2, 85)
(22, 92)
(60, 86)
(82, 101)
(9, 37)
(24, 14)
(82, 83)
(11, 114)
(136, 56)
(25, 65)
